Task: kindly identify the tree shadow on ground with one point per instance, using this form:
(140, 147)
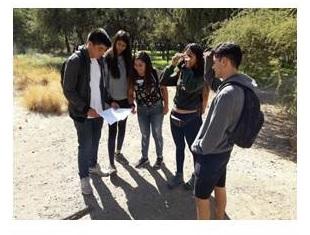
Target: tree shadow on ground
(278, 128)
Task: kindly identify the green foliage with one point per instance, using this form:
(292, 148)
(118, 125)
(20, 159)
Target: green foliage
(268, 38)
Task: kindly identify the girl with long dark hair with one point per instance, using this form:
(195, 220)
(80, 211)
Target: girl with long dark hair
(119, 62)
(186, 73)
(152, 105)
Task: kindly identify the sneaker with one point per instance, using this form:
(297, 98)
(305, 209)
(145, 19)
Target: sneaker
(120, 158)
(85, 186)
(158, 163)
(96, 170)
(189, 185)
(112, 170)
(142, 162)
(176, 181)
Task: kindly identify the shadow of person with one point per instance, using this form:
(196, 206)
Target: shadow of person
(180, 203)
(144, 201)
(111, 209)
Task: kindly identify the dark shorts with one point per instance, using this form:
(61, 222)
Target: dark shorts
(210, 172)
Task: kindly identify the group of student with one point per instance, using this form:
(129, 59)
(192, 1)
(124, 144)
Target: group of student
(103, 74)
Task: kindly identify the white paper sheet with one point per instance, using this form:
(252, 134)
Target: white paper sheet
(114, 115)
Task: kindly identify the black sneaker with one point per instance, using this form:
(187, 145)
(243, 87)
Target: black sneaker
(176, 181)
(189, 185)
(142, 162)
(121, 159)
(158, 163)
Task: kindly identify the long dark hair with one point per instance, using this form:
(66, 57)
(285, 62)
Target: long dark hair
(111, 55)
(149, 70)
(198, 51)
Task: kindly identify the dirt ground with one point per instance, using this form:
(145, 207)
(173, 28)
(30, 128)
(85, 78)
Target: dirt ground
(261, 181)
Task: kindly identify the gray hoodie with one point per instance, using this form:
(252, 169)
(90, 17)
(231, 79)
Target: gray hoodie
(222, 118)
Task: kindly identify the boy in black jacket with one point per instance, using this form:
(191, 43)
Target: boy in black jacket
(84, 88)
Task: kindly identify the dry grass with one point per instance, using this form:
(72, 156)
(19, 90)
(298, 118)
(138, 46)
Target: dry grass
(45, 99)
(38, 81)
(31, 69)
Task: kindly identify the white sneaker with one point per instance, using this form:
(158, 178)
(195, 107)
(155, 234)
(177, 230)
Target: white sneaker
(112, 170)
(85, 186)
(97, 171)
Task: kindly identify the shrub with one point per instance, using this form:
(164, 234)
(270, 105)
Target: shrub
(37, 78)
(268, 38)
(45, 99)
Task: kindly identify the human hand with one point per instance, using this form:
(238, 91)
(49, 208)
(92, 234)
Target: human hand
(165, 109)
(177, 58)
(133, 109)
(114, 105)
(92, 113)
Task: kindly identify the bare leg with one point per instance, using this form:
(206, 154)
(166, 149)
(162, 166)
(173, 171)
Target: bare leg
(203, 209)
(221, 199)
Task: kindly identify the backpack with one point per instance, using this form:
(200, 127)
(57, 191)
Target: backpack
(63, 67)
(251, 119)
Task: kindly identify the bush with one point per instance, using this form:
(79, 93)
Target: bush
(37, 78)
(35, 69)
(45, 99)
(268, 38)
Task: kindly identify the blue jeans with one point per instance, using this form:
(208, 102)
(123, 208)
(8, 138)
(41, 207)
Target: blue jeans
(185, 129)
(151, 117)
(89, 133)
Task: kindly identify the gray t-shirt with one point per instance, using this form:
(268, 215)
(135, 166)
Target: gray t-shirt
(117, 87)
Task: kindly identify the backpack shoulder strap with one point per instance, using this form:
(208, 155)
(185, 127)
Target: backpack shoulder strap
(225, 84)
(157, 82)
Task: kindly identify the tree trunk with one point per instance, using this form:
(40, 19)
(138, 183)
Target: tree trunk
(79, 34)
(67, 44)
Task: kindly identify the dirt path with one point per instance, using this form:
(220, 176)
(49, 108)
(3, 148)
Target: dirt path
(261, 181)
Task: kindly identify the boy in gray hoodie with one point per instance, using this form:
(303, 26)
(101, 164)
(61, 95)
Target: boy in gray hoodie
(212, 141)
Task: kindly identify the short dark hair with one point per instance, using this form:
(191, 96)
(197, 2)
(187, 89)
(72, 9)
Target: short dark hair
(230, 50)
(99, 36)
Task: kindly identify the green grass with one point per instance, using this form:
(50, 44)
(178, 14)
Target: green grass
(157, 60)
(37, 60)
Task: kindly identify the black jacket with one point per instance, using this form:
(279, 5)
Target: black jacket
(76, 84)
(189, 87)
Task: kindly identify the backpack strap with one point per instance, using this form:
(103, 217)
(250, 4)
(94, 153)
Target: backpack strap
(157, 82)
(64, 64)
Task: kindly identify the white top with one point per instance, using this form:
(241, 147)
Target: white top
(95, 94)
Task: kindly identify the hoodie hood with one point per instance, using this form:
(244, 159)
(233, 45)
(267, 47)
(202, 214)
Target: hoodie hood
(244, 80)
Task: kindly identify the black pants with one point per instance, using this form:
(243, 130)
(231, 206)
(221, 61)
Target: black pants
(185, 129)
(118, 130)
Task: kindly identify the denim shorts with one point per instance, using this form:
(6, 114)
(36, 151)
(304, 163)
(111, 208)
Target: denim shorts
(210, 172)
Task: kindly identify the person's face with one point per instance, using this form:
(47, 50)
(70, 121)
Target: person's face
(218, 66)
(120, 46)
(190, 59)
(139, 66)
(96, 50)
